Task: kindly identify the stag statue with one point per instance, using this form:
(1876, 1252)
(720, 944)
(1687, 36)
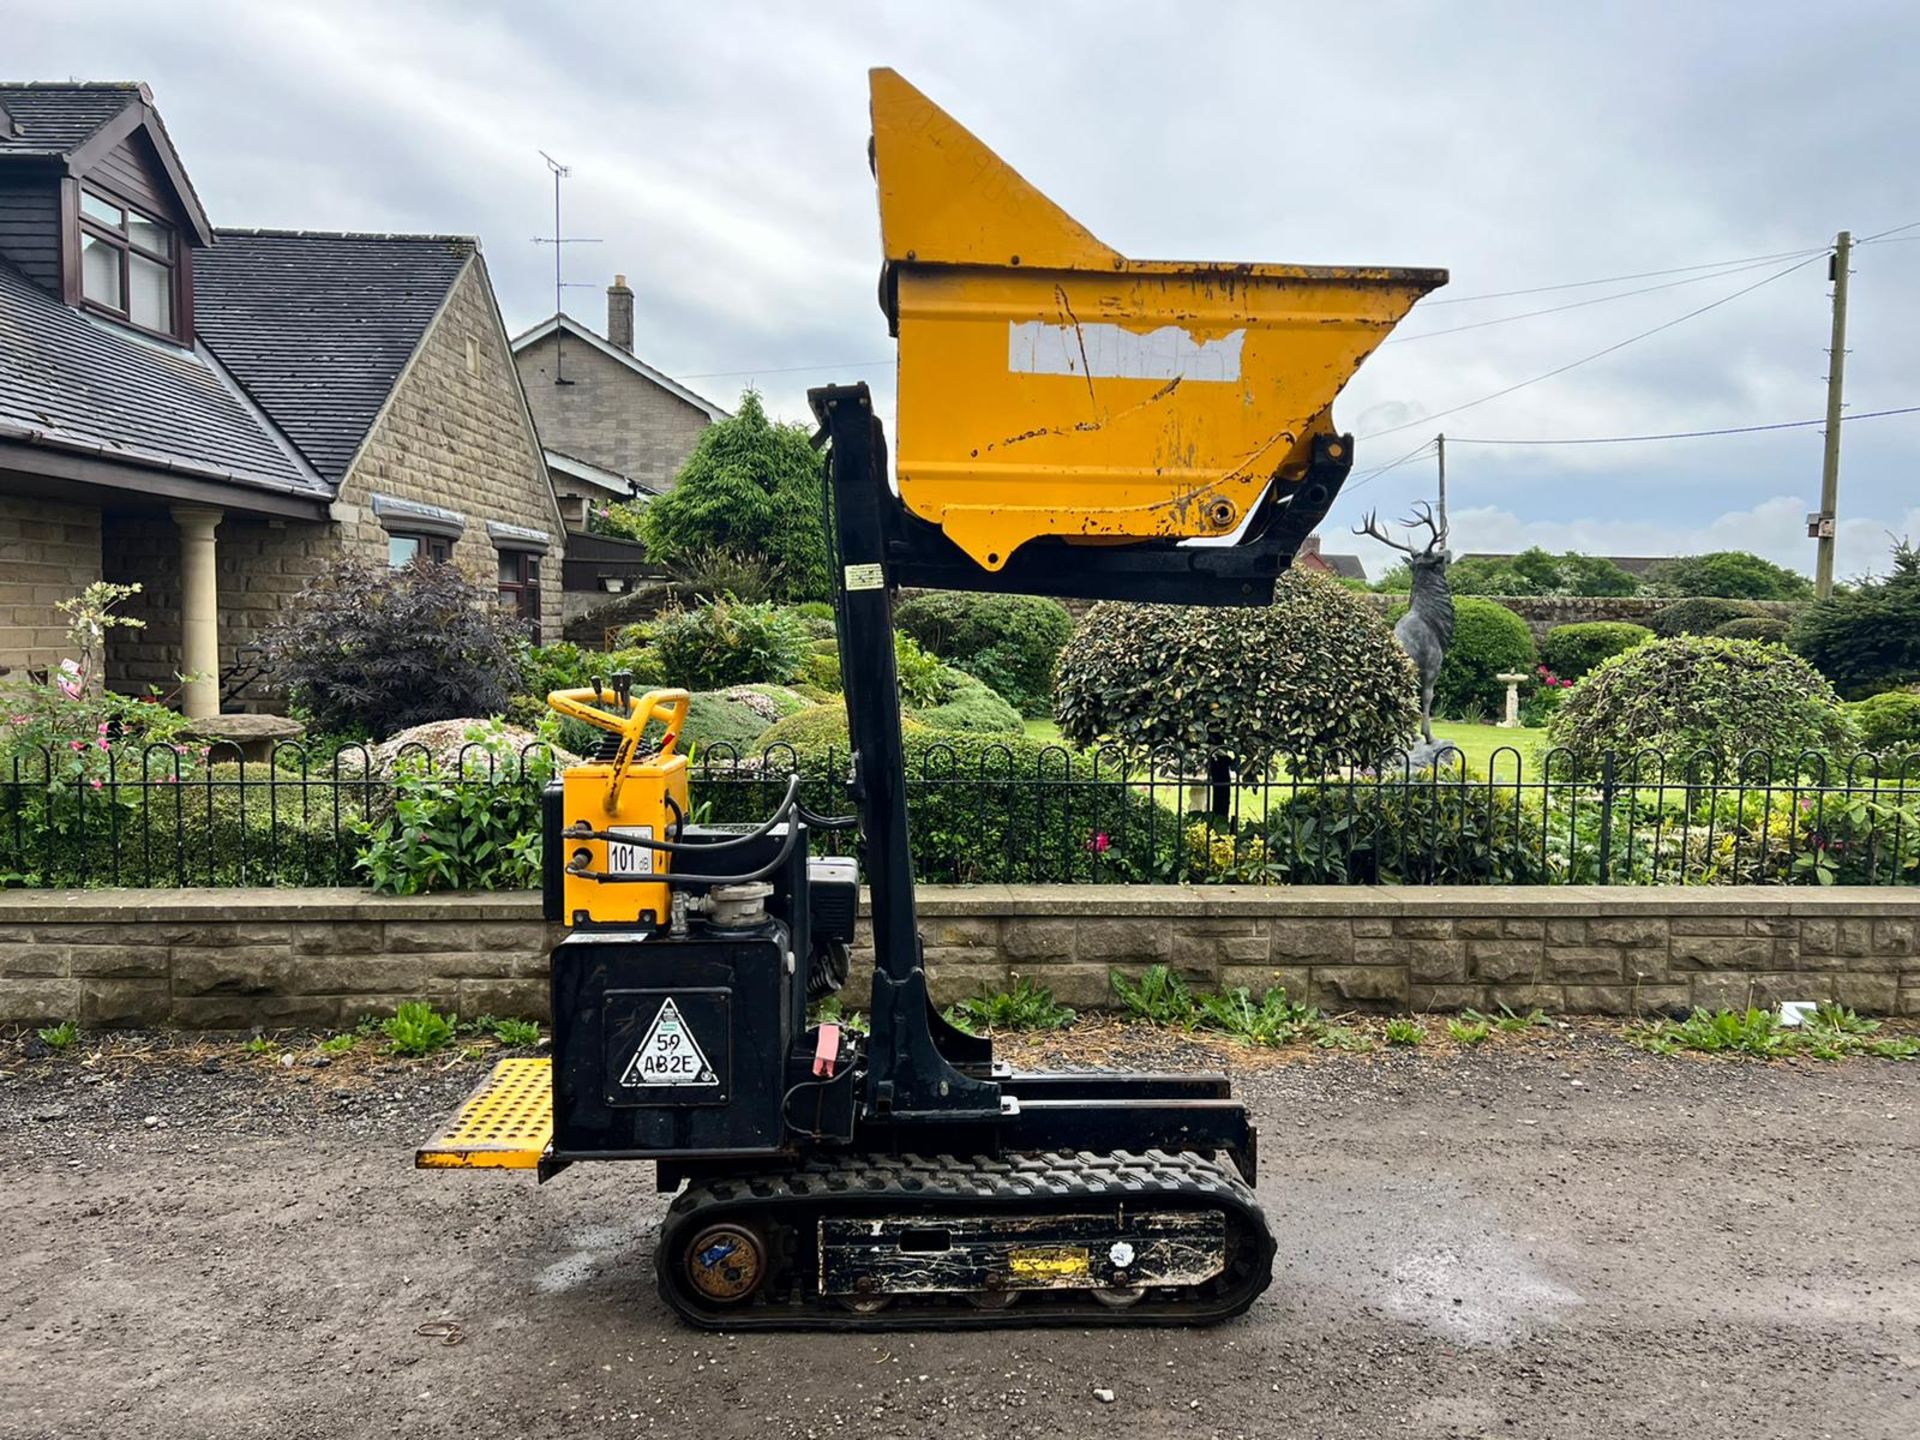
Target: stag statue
(1426, 630)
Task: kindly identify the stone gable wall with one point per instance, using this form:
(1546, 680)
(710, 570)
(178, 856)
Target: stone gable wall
(451, 437)
(606, 414)
(459, 439)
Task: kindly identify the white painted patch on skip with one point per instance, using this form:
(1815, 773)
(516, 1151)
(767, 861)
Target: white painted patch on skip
(1112, 352)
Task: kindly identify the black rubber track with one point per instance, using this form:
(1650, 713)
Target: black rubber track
(784, 1205)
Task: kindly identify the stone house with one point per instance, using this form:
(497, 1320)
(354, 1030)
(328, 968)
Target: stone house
(614, 428)
(219, 414)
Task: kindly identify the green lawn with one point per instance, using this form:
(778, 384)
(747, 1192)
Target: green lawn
(1479, 742)
(1044, 730)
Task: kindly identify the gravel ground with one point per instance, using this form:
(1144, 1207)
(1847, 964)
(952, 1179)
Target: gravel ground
(1552, 1236)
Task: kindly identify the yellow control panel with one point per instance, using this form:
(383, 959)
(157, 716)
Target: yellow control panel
(609, 806)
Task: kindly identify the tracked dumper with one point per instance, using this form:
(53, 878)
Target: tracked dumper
(1070, 421)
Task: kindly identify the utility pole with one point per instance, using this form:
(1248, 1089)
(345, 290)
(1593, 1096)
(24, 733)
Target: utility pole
(1826, 522)
(1440, 447)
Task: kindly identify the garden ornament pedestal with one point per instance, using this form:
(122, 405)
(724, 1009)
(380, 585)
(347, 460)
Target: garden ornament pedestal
(247, 737)
(1512, 718)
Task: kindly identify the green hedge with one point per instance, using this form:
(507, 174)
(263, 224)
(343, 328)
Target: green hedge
(981, 807)
(1770, 628)
(211, 829)
(1700, 615)
(1570, 651)
(1488, 640)
(1697, 693)
(1008, 642)
(1889, 723)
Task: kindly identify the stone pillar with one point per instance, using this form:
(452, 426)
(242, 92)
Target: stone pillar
(199, 611)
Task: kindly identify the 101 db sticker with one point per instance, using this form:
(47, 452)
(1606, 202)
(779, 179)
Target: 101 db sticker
(627, 858)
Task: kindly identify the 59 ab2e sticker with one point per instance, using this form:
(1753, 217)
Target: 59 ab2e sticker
(669, 1056)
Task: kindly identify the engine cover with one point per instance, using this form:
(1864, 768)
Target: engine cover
(671, 1045)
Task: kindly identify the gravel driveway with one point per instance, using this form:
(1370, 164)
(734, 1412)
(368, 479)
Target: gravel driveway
(1554, 1237)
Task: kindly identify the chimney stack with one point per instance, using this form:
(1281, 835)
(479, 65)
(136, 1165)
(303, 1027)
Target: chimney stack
(620, 314)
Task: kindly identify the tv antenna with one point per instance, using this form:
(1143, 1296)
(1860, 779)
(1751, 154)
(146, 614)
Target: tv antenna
(560, 240)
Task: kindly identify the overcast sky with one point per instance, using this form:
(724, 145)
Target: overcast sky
(718, 154)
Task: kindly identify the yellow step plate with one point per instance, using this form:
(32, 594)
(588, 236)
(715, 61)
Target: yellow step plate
(506, 1124)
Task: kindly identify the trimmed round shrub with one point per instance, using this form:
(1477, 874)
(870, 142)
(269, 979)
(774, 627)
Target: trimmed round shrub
(973, 707)
(1314, 677)
(1009, 642)
(1888, 723)
(1699, 693)
(1488, 640)
(1570, 651)
(715, 718)
(725, 643)
(1770, 628)
(980, 807)
(1867, 639)
(1700, 615)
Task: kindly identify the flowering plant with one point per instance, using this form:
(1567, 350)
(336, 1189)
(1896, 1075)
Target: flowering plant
(71, 750)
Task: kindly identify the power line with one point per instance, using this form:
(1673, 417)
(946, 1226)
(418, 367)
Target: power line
(785, 370)
(1577, 304)
(1640, 275)
(1721, 267)
(1681, 434)
(1598, 354)
(1895, 230)
(1369, 476)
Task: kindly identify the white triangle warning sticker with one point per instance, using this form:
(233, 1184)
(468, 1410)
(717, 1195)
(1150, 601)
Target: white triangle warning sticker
(669, 1055)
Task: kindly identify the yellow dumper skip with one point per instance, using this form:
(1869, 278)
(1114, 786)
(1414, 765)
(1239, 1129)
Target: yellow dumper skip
(1049, 385)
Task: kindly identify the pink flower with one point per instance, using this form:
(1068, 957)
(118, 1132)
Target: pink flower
(76, 745)
(171, 779)
(102, 729)
(95, 782)
(1099, 843)
(102, 742)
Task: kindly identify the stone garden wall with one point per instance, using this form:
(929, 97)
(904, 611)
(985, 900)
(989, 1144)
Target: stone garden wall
(234, 959)
(1543, 612)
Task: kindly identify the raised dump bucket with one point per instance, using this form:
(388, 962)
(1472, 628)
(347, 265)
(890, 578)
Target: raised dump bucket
(1051, 386)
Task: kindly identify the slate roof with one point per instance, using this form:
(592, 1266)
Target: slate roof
(56, 119)
(317, 327)
(73, 383)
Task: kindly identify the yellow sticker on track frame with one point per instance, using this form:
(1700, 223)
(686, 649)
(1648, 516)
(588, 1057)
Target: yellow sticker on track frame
(1049, 1262)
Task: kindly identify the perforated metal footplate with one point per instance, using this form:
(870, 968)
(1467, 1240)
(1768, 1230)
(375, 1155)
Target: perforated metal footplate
(506, 1124)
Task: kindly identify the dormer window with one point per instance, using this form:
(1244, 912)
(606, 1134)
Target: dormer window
(127, 263)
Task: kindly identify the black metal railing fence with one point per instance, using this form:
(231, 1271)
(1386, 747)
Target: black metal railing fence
(985, 812)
